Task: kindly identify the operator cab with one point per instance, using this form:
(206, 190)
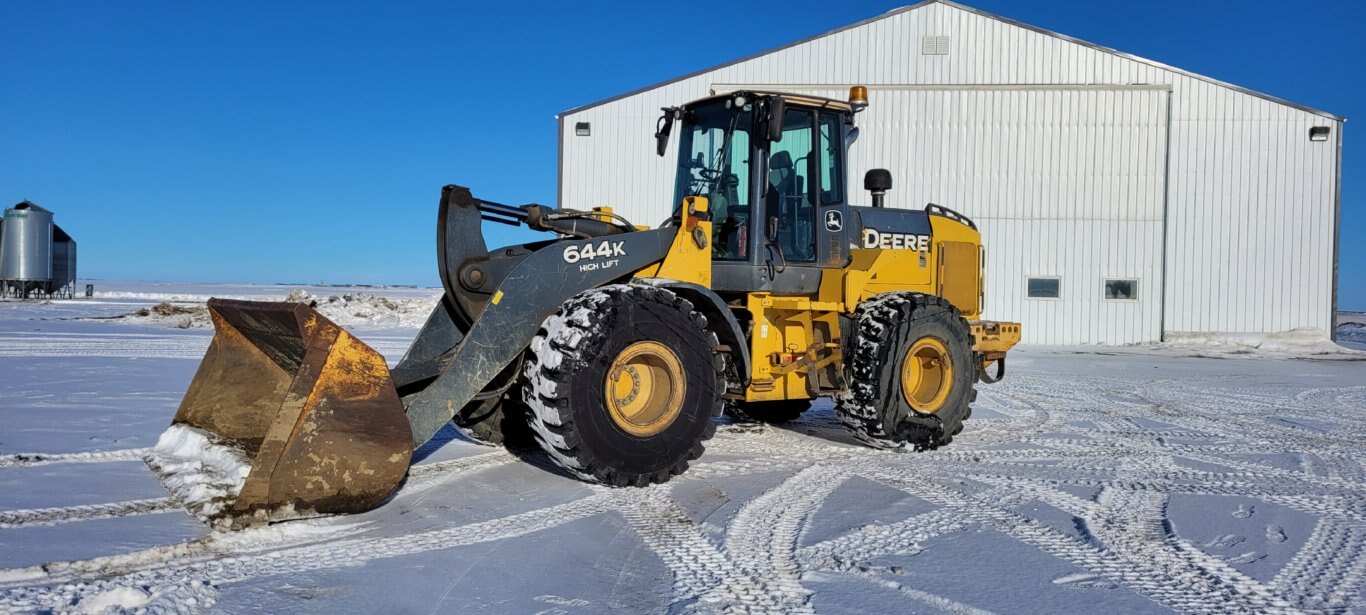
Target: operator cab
(772, 167)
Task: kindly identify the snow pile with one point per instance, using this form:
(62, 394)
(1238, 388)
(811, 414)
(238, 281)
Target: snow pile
(347, 310)
(361, 309)
(180, 292)
(1296, 342)
(116, 600)
(167, 297)
(202, 475)
(179, 316)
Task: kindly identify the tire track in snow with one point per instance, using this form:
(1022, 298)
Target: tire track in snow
(770, 441)
(25, 460)
(762, 537)
(1134, 524)
(1246, 471)
(846, 553)
(731, 467)
(106, 345)
(1207, 409)
(178, 555)
(938, 602)
(1056, 433)
(1329, 570)
(1248, 480)
(84, 512)
(299, 559)
(421, 477)
(705, 579)
(1328, 507)
(1141, 576)
(442, 469)
(142, 345)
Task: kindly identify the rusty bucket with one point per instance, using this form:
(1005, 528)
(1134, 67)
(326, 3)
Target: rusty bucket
(312, 408)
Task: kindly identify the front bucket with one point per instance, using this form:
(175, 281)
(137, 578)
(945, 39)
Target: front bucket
(311, 408)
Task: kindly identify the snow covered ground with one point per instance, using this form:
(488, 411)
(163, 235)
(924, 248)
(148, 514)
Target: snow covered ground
(1352, 329)
(1091, 480)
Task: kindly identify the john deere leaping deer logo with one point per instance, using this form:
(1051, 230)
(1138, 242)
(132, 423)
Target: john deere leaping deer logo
(833, 221)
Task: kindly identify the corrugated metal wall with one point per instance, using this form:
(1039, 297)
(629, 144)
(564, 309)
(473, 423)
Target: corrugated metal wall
(1250, 201)
(1063, 183)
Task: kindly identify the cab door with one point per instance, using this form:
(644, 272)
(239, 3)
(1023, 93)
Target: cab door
(797, 207)
(805, 195)
(790, 193)
(831, 199)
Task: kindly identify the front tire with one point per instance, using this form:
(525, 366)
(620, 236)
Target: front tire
(911, 373)
(623, 382)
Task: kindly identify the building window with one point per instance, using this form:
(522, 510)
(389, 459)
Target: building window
(583, 129)
(1122, 289)
(1044, 288)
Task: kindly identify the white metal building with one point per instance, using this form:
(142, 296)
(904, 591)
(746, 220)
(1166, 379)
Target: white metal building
(1159, 200)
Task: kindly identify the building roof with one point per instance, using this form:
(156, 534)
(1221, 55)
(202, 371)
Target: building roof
(982, 13)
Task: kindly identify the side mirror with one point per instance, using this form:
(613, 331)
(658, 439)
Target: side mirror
(777, 107)
(663, 127)
(850, 137)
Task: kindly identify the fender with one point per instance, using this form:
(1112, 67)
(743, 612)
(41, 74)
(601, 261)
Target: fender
(720, 318)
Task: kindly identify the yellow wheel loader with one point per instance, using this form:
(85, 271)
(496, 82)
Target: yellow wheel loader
(615, 346)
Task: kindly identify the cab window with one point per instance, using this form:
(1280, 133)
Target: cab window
(831, 163)
(715, 164)
(788, 195)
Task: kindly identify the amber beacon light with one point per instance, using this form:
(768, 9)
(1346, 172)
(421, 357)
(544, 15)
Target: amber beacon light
(858, 97)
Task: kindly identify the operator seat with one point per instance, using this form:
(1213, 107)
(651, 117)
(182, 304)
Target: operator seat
(781, 200)
(730, 217)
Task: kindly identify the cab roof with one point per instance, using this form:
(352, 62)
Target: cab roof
(791, 99)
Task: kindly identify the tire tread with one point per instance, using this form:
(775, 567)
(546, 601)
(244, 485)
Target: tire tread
(567, 338)
(862, 407)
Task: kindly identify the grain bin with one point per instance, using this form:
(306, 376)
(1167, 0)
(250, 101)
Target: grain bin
(63, 263)
(26, 244)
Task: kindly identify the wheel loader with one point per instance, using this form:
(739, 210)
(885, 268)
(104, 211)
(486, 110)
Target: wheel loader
(614, 346)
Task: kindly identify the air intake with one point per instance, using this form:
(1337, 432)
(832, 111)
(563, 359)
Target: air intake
(934, 45)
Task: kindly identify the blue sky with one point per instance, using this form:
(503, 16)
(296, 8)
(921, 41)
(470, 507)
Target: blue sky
(294, 142)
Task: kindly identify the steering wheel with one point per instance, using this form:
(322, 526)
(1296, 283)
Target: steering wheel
(711, 175)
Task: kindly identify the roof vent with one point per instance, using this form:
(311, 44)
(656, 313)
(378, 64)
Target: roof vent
(937, 45)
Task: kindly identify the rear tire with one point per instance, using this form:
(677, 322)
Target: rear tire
(773, 412)
(499, 419)
(911, 372)
(623, 382)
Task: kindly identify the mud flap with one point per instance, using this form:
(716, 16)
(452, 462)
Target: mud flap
(311, 406)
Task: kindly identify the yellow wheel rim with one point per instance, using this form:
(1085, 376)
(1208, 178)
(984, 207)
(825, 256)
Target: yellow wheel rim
(927, 375)
(645, 388)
